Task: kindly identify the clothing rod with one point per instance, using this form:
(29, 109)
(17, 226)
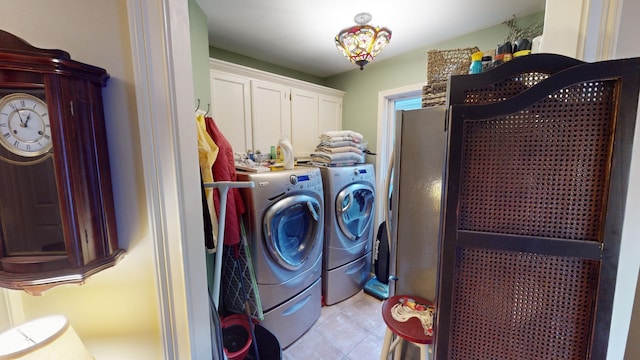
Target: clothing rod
(229, 184)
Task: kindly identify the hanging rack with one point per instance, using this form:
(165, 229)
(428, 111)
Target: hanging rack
(223, 187)
(208, 108)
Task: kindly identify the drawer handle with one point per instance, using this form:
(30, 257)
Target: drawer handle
(297, 306)
(355, 269)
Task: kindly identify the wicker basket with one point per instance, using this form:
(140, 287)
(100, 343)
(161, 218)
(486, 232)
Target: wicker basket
(440, 65)
(434, 94)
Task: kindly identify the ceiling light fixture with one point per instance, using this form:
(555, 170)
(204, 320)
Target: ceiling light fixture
(362, 43)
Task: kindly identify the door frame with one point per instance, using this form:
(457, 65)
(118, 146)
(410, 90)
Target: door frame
(384, 145)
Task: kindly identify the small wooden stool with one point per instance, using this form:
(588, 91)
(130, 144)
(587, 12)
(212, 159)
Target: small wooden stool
(411, 330)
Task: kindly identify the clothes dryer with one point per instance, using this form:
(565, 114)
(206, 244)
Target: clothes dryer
(285, 226)
(348, 234)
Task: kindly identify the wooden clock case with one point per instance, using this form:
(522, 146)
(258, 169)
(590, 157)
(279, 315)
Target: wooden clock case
(57, 217)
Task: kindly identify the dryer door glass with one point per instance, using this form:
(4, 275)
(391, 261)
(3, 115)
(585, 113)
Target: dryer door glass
(292, 228)
(354, 210)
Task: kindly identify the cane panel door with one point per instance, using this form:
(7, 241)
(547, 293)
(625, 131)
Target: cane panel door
(533, 209)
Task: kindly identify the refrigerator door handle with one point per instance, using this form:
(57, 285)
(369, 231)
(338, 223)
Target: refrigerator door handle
(386, 206)
(386, 194)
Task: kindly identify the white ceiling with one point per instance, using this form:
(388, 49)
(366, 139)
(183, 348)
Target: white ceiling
(298, 34)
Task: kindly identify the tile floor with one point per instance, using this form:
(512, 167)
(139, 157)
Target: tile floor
(349, 330)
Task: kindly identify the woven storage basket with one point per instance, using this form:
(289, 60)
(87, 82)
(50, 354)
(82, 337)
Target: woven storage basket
(440, 65)
(434, 94)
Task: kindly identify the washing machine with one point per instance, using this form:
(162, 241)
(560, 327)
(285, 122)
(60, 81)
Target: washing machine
(348, 233)
(285, 227)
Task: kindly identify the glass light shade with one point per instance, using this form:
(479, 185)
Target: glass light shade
(362, 43)
(50, 338)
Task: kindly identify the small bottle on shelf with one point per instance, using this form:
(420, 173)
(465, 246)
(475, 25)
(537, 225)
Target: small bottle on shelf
(476, 63)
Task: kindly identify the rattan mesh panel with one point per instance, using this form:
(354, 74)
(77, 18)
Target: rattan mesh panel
(512, 305)
(503, 90)
(541, 171)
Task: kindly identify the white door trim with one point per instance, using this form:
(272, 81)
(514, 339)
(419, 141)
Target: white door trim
(11, 310)
(163, 79)
(384, 147)
(598, 31)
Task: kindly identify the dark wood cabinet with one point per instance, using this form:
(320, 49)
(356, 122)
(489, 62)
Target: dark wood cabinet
(57, 218)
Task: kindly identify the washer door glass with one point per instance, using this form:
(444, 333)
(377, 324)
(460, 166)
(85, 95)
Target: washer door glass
(291, 228)
(354, 210)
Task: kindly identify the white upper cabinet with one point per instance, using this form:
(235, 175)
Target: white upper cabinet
(231, 108)
(304, 122)
(271, 111)
(329, 113)
(254, 109)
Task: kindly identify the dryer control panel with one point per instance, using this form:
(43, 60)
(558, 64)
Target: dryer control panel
(272, 185)
(363, 173)
(305, 181)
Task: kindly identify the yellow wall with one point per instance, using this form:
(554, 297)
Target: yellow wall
(121, 300)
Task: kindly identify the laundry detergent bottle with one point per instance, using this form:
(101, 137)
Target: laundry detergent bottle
(285, 153)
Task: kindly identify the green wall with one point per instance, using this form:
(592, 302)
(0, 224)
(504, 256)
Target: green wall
(199, 55)
(220, 54)
(360, 103)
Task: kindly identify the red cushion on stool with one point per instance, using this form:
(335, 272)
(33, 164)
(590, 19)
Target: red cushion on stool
(412, 329)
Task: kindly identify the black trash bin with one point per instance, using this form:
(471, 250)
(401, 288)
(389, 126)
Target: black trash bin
(268, 345)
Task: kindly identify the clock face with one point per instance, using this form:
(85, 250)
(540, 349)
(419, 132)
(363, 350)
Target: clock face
(24, 125)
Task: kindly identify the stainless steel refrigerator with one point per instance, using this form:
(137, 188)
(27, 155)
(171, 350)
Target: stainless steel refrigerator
(417, 178)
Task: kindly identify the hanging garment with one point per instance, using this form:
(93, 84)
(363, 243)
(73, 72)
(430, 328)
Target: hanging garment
(209, 241)
(207, 154)
(224, 169)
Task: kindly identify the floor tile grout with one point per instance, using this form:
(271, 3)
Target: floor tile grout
(352, 327)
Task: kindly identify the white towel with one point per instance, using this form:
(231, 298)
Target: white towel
(340, 138)
(342, 135)
(325, 164)
(338, 158)
(349, 133)
(341, 149)
(340, 143)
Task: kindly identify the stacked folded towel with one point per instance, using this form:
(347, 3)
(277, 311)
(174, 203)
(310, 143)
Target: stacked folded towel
(339, 148)
(341, 135)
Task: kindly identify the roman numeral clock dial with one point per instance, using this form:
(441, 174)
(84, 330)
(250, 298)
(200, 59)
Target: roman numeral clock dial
(24, 125)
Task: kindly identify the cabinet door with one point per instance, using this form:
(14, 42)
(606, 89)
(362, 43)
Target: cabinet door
(330, 113)
(304, 122)
(231, 109)
(271, 114)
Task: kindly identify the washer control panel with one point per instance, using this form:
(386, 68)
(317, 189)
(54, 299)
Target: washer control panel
(363, 174)
(305, 181)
